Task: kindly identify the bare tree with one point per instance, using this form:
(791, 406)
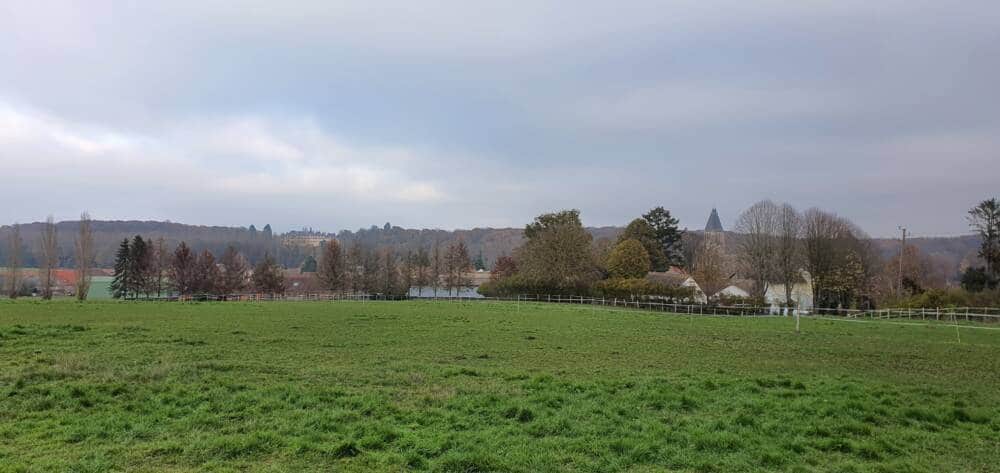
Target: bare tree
(207, 274)
(457, 263)
(437, 267)
(332, 271)
(159, 266)
(235, 272)
(788, 256)
(84, 257)
(14, 262)
(388, 273)
(48, 257)
(408, 272)
(758, 227)
(840, 258)
(709, 266)
(422, 270)
(183, 270)
(355, 267)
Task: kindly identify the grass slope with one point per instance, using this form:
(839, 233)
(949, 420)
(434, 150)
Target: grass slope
(442, 386)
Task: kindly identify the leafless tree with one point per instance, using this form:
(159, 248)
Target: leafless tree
(388, 273)
(235, 272)
(709, 266)
(159, 266)
(48, 257)
(84, 257)
(14, 261)
(457, 263)
(788, 258)
(422, 268)
(437, 267)
(841, 259)
(332, 271)
(758, 227)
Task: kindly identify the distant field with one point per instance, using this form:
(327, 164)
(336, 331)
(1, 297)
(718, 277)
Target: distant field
(391, 386)
(100, 288)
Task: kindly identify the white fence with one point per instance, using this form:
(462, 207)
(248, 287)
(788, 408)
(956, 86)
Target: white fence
(651, 304)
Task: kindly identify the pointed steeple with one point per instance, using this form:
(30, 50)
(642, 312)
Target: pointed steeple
(714, 223)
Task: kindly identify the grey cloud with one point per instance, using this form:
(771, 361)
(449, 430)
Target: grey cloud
(449, 113)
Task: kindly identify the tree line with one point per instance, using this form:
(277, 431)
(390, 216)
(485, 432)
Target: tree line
(361, 269)
(559, 256)
(47, 256)
(147, 268)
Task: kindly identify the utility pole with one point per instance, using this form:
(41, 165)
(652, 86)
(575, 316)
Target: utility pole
(902, 251)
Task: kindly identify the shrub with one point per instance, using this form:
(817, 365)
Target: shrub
(640, 288)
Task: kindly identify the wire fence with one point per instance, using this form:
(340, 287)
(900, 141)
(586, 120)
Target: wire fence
(649, 304)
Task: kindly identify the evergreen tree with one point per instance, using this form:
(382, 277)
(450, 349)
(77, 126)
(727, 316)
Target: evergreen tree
(479, 264)
(120, 282)
(641, 231)
(309, 265)
(140, 264)
(985, 220)
(665, 229)
(628, 260)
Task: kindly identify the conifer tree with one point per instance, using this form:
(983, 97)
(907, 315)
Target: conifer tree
(140, 265)
(120, 282)
(665, 229)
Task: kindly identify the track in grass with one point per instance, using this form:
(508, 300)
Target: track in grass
(484, 387)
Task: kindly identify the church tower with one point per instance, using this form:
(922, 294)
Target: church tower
(714, 224)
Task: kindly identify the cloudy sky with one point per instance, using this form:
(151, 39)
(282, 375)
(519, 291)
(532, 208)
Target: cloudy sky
(343, 114)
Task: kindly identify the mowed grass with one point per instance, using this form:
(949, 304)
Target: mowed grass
(442, 386)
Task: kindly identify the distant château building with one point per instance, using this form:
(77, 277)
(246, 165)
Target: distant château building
(305, 238)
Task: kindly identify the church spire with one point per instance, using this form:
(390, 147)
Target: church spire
(714, 223)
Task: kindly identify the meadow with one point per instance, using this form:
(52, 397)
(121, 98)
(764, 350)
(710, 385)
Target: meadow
(476, 387)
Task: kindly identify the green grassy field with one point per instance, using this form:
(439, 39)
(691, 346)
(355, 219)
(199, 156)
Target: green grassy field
(440, 386)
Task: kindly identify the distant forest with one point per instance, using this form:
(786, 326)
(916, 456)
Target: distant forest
(950, 254)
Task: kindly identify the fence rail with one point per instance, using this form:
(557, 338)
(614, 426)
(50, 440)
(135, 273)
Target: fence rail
(651, 304)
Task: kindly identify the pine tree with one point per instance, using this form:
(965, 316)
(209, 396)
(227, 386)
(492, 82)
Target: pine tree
(139, 267)
(120, 282)
(479, 264)
(667, 234)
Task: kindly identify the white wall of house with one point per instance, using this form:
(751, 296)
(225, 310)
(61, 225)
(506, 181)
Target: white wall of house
(802, 294)
(699, 295)
(733, 291)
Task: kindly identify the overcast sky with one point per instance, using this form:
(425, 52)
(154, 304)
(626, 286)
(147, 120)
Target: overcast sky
(343, 114)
